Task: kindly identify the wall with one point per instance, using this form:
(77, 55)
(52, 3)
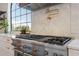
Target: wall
(75, 20)
(59, 25)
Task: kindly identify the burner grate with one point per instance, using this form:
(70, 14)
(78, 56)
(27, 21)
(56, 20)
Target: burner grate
(58, 40)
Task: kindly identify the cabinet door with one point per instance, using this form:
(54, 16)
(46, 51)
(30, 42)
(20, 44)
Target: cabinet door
(73, 52)
(6, 49)
(10, 50)
(74, 18)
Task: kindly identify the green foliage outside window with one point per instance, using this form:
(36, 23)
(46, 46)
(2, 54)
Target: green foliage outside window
(4, 25)
(23, 29)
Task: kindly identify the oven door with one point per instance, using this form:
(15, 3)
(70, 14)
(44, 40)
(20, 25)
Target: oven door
(20, 53)
(38, 49)
(56, 52)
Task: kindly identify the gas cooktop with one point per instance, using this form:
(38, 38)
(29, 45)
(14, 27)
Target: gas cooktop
(48, 39)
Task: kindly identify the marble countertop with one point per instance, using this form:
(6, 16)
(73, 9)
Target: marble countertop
(7, 35)
(74, 44)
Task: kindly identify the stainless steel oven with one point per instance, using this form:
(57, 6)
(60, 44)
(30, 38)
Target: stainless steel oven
(25, 48)
(36, 48)
(32, 48)
(22, 48)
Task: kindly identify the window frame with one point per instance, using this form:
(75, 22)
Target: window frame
(27, 13)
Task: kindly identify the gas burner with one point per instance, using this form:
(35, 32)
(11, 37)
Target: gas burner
(58, 40)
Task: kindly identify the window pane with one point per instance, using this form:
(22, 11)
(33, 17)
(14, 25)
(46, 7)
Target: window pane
(28, 11)
(28, 17)
(23, 18)
(23, 11)
(23, 24)
(13, 6)
(13, 26)
(17, 5)
(17, 27)
(18, 12)
(29, 24)
(13, 14)
(13, 20)
(17, 19)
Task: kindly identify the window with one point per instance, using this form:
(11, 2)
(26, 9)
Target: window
(20, 16)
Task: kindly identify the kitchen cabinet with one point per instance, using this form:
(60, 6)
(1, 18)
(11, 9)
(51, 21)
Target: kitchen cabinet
(73, 52)
(74, 18)
(6, 49)
(73, 48)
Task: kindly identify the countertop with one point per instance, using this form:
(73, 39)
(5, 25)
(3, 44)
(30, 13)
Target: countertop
(7, 35)
(74, 44)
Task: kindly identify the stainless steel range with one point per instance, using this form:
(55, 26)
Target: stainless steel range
(40, 45)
